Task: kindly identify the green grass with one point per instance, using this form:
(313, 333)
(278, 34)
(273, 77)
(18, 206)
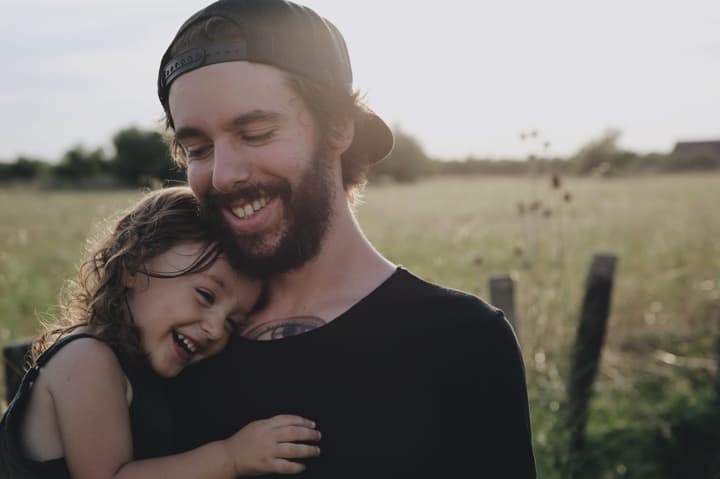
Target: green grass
(42, 239)
(655, 386)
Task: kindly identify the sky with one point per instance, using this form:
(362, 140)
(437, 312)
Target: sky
(465, 77)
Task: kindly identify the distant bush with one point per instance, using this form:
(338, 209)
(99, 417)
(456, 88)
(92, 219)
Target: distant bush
(142, 157)
(406, 163)
(23, 169)
(80, 164)
(601, 154)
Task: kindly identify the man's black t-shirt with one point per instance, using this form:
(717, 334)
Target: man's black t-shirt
(415, 380)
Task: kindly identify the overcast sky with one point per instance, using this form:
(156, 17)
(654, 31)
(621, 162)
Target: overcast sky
(464, 77)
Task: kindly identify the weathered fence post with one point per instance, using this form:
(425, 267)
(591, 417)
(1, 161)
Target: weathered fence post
(15, 355)
(717, 362)
(588, 346)
(502, 295)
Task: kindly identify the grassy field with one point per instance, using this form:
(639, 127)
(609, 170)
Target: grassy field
(652, 412)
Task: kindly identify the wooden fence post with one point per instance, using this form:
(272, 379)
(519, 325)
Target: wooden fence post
(15, 355)
(717, 364)
(588, 345)
(502, 295)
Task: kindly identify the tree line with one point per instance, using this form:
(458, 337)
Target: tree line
(601, 156)
(142, 158)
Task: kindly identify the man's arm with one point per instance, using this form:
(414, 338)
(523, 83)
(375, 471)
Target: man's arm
(487, 427)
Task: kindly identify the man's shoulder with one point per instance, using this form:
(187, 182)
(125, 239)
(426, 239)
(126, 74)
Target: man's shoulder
(419, 300)
(410, 289)
(453, 323)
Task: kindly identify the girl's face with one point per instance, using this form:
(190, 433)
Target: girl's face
(190, 317)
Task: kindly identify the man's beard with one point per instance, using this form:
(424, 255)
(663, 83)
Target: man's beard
(306, 211)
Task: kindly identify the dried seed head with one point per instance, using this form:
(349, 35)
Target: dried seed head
(556, 181)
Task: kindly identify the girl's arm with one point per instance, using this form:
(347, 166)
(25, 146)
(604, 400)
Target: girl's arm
(261, 447)
(88, 388)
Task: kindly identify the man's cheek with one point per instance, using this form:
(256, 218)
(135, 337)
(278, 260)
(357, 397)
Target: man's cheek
(199, 175)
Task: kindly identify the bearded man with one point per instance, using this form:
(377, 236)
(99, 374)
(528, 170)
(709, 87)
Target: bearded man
(404, 378)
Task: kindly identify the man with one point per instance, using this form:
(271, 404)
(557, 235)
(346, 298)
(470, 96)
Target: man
(403, 378)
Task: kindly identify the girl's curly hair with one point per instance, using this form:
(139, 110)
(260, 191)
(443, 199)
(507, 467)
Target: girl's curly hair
(97, 299)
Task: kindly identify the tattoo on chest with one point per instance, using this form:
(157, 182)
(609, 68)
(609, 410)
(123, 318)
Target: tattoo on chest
(283, 328)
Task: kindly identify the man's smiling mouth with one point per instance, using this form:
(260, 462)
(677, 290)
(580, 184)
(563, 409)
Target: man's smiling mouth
(248, 210)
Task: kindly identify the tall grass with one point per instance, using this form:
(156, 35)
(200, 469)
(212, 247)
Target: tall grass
(42, 239)
(655, 381)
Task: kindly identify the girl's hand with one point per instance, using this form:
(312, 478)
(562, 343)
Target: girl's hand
(266, 446)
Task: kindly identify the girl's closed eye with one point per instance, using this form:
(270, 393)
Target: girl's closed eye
(207, 296)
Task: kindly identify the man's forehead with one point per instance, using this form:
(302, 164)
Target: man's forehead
(241, 74)
(232, 90)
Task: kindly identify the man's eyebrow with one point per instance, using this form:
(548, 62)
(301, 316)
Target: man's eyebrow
(252, 117)
(185, 132)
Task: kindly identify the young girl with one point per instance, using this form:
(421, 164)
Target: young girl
(157, 295)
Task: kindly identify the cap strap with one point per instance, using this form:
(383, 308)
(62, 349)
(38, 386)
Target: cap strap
(189, 60)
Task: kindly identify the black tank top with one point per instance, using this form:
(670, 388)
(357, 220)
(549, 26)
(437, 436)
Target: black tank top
(149, 421)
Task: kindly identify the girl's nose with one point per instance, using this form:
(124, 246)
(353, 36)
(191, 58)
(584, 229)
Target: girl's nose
(214, 326)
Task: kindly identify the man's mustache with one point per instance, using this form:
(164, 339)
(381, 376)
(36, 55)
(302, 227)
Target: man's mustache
(248, 193)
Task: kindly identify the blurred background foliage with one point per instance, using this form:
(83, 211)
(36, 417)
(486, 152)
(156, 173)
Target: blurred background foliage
(141, 158)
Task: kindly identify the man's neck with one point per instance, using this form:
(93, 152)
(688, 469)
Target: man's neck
(346, 269)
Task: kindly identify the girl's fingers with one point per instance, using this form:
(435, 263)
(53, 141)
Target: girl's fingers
(289, 450)
(296, 433)
(283, 420)
(282, 466)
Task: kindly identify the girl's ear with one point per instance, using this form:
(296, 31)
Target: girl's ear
(129, 279)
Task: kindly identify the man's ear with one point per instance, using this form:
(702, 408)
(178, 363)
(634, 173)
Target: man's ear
(341, 134)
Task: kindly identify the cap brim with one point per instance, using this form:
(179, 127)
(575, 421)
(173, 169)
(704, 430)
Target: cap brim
(373, 138)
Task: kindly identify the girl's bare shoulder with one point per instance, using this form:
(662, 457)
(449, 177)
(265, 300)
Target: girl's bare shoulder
(82, 361)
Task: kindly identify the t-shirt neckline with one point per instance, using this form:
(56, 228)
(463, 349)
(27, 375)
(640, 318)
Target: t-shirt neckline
(338, 321)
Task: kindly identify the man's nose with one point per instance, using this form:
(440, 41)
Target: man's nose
(230, 167)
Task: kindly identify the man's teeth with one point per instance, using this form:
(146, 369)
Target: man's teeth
(250, 208)
(191, 346)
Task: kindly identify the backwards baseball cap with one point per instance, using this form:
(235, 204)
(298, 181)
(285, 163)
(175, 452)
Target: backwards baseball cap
(285, 35)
